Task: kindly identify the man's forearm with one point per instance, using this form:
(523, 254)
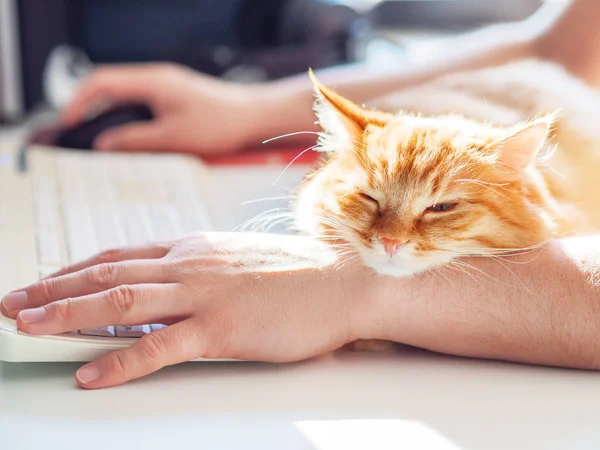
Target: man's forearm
(291, 99)
(565, 32)
(542, 307)
(569, 34)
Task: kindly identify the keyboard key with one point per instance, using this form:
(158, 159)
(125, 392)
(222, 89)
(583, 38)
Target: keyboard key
(48, 270)
(136, 223)
(109, 231)
(164, 223)
(80, 232)
(48, 246)
(101, 331)
(78, 222)
(45, 201)
(46, 220)
(105, 201)
(135, 331)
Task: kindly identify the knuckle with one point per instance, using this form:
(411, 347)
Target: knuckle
(46, 288)
(166, 246)
(122, 299)
(111, 255)
(116, 365)
(175, 267)
(103, 275)
(153, 345)
(63, 311)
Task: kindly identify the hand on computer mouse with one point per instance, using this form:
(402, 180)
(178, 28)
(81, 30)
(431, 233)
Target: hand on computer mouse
(245, 296)
(193, 112)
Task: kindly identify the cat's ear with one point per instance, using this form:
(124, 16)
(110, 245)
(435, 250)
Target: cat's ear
(342, 121)
(520, 148)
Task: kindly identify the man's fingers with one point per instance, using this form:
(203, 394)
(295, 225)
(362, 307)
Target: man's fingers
(18, 299)
(149, 251)
(177, 343)
(123, 305)
(140, 137)
(86, 97)
(85, 282)
(113, 85)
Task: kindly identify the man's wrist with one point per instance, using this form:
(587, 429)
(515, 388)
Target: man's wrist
(277, 108)
(376, 303)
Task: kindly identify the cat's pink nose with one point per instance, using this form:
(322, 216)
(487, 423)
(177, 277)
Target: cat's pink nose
(392, 245)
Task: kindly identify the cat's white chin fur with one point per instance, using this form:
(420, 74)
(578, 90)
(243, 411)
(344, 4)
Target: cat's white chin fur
(396, 267)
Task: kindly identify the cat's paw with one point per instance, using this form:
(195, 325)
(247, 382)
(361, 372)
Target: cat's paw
(370, 345)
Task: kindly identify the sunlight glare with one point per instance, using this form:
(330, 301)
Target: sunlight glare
(385, 434)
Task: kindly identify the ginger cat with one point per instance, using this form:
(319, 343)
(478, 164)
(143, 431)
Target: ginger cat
(410, 192)
(477, 163)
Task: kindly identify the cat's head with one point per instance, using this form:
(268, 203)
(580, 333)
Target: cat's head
(407, 193)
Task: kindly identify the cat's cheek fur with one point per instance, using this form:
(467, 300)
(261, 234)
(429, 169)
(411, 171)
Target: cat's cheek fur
(305, 210)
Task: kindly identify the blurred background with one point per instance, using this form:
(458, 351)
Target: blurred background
(46, 46)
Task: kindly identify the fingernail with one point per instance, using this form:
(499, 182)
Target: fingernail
(32, 315)
(87, 374)
(15, 300)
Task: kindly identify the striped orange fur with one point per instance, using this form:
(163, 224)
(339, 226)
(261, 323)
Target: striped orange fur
(383, 176)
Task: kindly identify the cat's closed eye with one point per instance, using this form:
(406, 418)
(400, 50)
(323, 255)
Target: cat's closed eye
(368, 198)
(441, 207)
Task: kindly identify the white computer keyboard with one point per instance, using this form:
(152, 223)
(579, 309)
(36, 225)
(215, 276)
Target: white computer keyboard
(77, 346)
(84, 204)
(70, 205)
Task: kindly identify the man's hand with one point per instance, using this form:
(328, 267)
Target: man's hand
(241, 296)
(281, 298)
(193, 112)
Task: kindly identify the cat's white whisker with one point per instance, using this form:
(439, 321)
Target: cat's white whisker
(440, 271)
(261, 218)
(266, 199)
(334, 238)
(554, 171)
(335, 225)
(275, 223)
(483, 184)
(489, 183)
(453, 265)
(493, 251)
(465, 264)
(334, 245)
(328, 221)
(509, 261)
(296, 133)
(308, 177)
(266, 215)
(344, 257)
(266, 222)
(515, 276)
(292, 162)
(345, 261)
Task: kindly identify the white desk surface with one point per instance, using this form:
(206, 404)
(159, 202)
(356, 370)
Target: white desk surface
(345, 401)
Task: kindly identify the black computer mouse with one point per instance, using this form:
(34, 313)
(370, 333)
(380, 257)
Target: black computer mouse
(82, 136)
